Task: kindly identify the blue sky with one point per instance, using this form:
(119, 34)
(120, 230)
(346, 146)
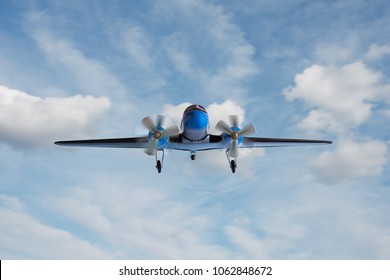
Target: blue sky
(95, 68)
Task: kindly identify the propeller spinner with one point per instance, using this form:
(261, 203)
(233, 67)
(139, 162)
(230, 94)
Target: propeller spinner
(157, 132)
(234, 132)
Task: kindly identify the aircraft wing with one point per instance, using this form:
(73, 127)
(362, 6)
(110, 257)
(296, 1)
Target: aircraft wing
(253, 142)
(132, 142)
(215, 142)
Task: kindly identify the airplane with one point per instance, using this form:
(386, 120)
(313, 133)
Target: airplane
(193, 136)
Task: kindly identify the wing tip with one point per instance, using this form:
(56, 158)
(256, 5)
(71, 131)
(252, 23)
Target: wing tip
(61, 143)
(323, 142)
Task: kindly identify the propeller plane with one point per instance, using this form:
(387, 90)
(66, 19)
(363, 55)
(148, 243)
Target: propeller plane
(192, 137)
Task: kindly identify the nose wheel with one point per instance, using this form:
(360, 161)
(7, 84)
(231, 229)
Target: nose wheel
(192, 156)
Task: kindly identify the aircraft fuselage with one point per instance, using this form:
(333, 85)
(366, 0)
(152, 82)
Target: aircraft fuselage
(195, 123)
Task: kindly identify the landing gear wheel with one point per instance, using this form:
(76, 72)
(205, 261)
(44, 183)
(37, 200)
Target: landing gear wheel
(233, 166)
(159, 160)
(232, 163)
(158, 166)
(192, 157)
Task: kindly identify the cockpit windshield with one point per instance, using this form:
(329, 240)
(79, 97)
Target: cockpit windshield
(195, 106)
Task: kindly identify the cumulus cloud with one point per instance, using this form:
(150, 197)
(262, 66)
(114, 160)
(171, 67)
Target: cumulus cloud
(340, 96)
(339, 100)
(28, 122)
(351, 160)
(222, 111)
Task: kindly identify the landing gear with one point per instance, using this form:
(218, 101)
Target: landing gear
(232, 162)
(158, 166)
(159, 160)
(193, 157)
(233, 166)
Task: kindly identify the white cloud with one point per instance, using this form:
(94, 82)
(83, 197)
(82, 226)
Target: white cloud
(295, 217)
(88, 73)
(137, 45)
(28, 121)
(350, 160)
(143, 58)
(383, 93)
(175, 112)
(335, 53)
(78, 206)
(232, 53)
(23, 236)
(222, 111)
(248, 245)
(181, 57)
(318, 120)
(145, 221)
(11, 203)
(377, 51)
(341, 96)
(339, 100)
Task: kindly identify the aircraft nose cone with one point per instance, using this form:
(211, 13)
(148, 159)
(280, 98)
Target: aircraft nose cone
(157, 134)
(235, 135)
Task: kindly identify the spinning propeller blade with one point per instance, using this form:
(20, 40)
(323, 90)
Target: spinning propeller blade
(151, 149)
(148, 123)
(160, 120)
(157, 132)
(234, 120)
(247, 130)
(234, 133)
(223, 127)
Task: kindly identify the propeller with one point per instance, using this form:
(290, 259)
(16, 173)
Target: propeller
(157, 132)
(234, 133)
